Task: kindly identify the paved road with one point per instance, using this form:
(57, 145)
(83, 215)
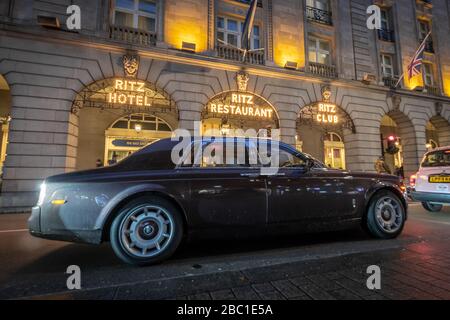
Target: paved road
(323, 266)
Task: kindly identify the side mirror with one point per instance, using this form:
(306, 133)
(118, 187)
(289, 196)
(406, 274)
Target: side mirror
(309, 164)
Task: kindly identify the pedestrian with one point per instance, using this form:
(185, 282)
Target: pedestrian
(381, 166)
(99, 163)
(113, 159)
(399, 172)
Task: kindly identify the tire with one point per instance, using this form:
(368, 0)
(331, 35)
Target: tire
(432, 207)
(146, 231)
(386, 215)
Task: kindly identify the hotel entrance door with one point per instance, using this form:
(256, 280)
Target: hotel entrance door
(131, 133)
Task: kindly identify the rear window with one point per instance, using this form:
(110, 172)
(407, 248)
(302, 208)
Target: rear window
(157, 156)
(437, 159)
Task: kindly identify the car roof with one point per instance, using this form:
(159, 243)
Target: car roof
(439, 149)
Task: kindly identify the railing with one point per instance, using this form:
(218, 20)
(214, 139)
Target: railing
(131, 35)
(390, 82)
(319, 15)
(433, 90)
(230, 53)
(322, 70)
(386, 35)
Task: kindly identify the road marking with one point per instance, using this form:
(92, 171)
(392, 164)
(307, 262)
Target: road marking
(15, 230)
(431, 221)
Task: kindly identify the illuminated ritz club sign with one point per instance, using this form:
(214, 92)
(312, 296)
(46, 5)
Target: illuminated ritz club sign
(327, 113)
(240, 105)
(129, 92)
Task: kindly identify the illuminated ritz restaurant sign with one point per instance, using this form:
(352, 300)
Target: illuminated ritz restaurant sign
(239, 104)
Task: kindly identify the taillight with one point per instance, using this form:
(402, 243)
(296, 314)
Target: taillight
(412, 180)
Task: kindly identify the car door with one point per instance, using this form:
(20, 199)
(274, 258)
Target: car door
(224, 193)
(298, 192)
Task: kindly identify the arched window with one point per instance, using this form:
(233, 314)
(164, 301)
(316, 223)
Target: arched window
(141, 122)
(333, 137)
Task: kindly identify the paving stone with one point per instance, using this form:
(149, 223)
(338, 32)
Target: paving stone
(344, 294)
(199, 296)
(271, 295)
(287, 289)
(263, 287)
(245, 293)
(223, 295)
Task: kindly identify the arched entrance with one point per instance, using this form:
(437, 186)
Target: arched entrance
(321, 131)
(132, 132)
(5, 118)
(398, 143)
(120, 115)
(437, 133)
(231, 113)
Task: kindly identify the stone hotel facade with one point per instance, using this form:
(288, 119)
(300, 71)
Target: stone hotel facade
(139, 69)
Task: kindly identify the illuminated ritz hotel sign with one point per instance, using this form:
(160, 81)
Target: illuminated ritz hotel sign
(130, 93)
(240, 105)
(327, 113)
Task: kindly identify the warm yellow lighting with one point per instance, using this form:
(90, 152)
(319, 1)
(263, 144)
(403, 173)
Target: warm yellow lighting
(241, 105)
(413, 82)
(327, 113)
(58, 202)
(188, 46)
(289, 47)
(446, 79)
(129, 92)
(138, 127)
(291, 65)
(183, 22)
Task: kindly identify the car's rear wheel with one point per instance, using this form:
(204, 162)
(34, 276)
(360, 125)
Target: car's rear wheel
(432, 207)
(147, 230)
(385, 215)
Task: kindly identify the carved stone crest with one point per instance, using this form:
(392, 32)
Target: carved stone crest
(326, 93)
(130, 65)
(242, 78)
(438, 107)
(396, 101)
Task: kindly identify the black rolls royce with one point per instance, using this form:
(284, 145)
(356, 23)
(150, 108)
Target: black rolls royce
(147, 204)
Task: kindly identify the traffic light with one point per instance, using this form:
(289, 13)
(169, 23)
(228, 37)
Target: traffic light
(392, 145)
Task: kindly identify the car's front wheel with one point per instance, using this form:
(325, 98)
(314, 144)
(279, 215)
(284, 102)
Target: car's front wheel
(385, 215)
(432, 207)
(147, 230)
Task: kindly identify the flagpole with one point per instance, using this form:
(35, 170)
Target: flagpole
(403, 75)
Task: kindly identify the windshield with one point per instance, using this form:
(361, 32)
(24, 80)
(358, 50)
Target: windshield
(437, 159)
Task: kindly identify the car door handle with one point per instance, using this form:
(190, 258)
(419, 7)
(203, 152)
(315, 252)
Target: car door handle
(251, 175)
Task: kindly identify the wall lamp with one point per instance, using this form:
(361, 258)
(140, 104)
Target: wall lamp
(49, 22)
(291, 65)
(188, 46)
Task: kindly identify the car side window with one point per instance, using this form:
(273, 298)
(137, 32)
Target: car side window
(288, 159)
(233, 154)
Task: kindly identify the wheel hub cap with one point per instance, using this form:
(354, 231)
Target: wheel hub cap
(389, 214)
(146, 231)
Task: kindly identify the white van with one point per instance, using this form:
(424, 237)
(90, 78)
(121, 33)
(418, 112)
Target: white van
(431, 185)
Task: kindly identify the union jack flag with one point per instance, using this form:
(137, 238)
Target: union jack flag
(414, 68)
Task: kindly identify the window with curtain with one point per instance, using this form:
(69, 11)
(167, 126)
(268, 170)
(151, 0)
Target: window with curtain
(138, 14)
(229, 30)
(319, 51)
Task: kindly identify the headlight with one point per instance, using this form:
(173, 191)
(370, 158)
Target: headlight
(42, 194)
